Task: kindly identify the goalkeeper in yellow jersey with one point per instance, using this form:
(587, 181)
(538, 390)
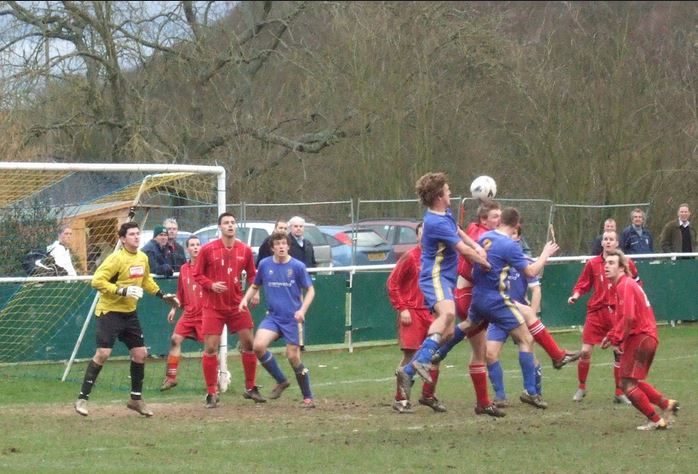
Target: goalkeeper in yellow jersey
(121, 279)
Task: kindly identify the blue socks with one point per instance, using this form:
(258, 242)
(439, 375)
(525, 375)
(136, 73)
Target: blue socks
(528, 370)
(539, 379)
(497, 379)
(268, 361)
(303, 379)
(458, 336)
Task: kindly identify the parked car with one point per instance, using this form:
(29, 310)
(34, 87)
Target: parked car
(371, 248)
(253, 233)
(401, 234)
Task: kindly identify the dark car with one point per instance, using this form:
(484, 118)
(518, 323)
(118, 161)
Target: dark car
(401, 234)
(371, 248)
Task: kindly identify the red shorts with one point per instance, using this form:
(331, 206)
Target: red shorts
(412, 336)
(190, 327)
(638, 353)
(213, 321)
(463, 297)
(598, 323)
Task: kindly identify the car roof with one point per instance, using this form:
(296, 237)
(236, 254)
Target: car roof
(405, 222)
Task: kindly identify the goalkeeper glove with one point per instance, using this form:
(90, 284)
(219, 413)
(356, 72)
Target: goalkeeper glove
(135, 292)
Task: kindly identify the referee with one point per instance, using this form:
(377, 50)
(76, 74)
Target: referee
(121, 279)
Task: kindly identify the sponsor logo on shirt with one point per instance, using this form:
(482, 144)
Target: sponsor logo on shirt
(136, 271)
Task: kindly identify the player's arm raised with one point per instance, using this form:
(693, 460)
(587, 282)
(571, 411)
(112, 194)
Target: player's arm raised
(536, 267)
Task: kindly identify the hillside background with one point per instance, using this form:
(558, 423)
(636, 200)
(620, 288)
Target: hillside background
(593, 102)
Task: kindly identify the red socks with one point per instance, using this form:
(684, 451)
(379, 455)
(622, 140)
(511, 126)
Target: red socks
(616, 376)
(583, 370)
(429, 388)
(545, 340)
(478, 373)
(653, 395)
(249, 365)
(172, 363)
(641, 402)
(209, 363)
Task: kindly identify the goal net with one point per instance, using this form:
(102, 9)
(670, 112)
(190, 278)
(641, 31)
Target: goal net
(41, 308)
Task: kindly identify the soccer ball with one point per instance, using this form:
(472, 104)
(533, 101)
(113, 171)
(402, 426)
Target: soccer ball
(483, 187)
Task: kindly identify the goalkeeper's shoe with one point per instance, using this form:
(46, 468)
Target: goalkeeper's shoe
(433, 403)
(654, 425)
(168, 384)
(490, 410)
(566, 359)
(140, 407)
(211, 400)
(535, 400)
(669, 413)
(279, 389)
(253, 394)
(402, 406)
(81, 406)
(308, 403)
(423, 369)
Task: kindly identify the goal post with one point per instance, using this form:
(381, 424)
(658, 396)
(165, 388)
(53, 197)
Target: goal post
(93, 199)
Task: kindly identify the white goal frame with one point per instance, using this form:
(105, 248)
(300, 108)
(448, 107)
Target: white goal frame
(218, 171)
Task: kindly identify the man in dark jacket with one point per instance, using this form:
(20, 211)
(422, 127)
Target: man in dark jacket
(158, 253)
(176, 258)
(679, 235)
(301, 248)
(265, 249)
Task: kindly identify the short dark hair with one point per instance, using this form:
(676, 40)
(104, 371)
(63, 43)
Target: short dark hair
(419, 226)
(225, 214)
(510, 216)
(191, 237)
(126, 226)
(276, 236)
(484, 209)
(430, 187)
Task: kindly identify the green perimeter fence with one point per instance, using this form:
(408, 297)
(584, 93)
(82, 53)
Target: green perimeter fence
(348, 308)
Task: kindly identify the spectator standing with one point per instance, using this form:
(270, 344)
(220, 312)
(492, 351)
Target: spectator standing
(678, 235)
(176, 256)
(609, 225)
(60, 250)
(158, 252)
(265, 249)
(301, 248)
(636, 238)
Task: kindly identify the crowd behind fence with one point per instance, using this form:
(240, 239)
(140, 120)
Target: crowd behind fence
(573, 225)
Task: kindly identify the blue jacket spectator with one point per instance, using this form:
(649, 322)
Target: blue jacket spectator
(636, 238)
(158, 253)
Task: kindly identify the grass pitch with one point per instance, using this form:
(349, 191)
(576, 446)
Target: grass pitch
(353, 428)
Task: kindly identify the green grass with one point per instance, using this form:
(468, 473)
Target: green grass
(353, 429)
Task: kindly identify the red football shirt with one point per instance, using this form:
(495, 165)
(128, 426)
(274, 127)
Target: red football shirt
(215, 263)
(634, 312)
(403, 282)
(593, 275)
(189, 292)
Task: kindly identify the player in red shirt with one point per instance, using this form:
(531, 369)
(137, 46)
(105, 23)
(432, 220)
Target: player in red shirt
(413, 321)
(219, 271)
(600, 316)
(634, 337)
(190, 295)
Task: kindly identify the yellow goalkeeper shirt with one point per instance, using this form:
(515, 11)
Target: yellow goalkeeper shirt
(119, 270)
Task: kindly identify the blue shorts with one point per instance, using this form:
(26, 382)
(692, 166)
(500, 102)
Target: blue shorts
(497, 309)
(285, 326)
(495, 333)
(436, 289)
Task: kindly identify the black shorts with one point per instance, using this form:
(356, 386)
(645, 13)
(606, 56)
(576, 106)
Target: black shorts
(125, 326)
